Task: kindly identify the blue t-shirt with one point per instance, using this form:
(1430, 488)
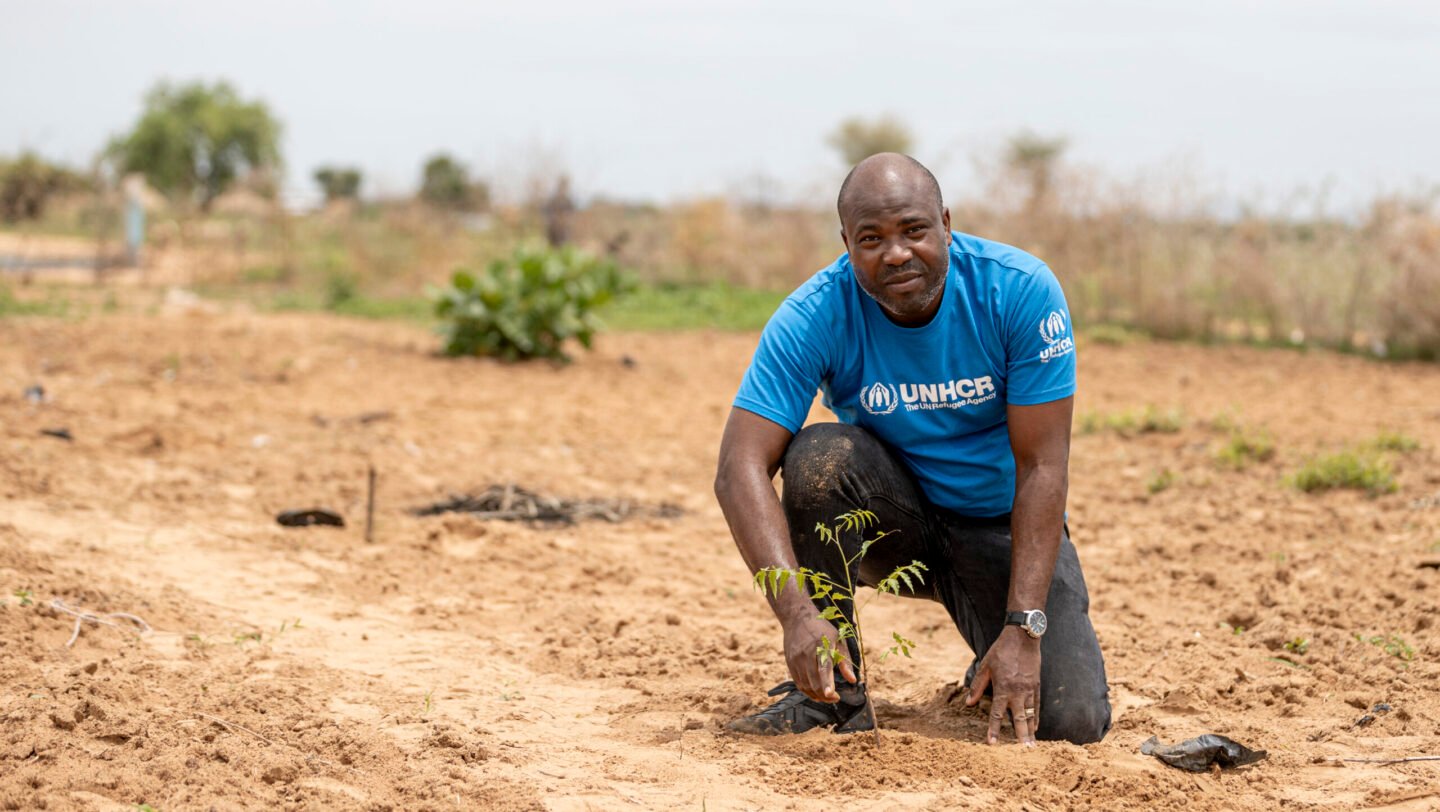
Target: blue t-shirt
(937, 393)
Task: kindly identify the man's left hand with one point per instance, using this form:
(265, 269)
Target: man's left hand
(1012, 669)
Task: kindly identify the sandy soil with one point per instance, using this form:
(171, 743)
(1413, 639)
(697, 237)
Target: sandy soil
(455, 663)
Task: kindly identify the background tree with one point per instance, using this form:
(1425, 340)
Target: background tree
(857, 138)
(445, 183)
(1034, 157)
(29, 182)
(339, 182)
(194, 141)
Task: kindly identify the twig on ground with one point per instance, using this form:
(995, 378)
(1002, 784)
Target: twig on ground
(81, 617)
(370, 507)
(232, 726)
(1401, 760)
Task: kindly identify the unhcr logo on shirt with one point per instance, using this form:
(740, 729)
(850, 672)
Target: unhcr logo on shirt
(879, 398)
(883, 398)
(1057, 337)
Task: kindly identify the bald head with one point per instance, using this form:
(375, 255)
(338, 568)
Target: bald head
(887, 176)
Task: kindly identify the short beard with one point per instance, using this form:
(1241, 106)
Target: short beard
(912, 305)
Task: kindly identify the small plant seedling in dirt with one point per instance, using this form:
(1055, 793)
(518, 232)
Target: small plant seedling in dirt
(200, 642)
(145, 808)
(247, 637)
(1161, 481)
(429, 700)
(27, 598)
(287, 625)
(1392, 644)
(1245, 447)
(1394, 441)
(1298, 645)
(821, 587)
(1150, 421)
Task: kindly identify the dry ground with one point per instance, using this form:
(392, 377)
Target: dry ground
(455, 663)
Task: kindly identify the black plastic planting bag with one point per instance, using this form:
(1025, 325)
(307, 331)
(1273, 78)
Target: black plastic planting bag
(1197, 754)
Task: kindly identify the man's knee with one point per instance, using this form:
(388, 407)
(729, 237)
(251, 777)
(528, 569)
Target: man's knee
(818, 456)
(1075, 722)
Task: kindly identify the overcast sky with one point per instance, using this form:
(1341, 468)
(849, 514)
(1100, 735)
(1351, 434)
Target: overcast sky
(664, 99)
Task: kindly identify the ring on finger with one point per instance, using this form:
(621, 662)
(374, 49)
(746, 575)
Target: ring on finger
(1029, 713)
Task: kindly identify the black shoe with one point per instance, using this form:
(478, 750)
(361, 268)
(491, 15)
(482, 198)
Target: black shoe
(797, 713)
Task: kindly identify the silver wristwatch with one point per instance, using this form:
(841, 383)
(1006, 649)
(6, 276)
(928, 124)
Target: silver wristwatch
(1033, 621)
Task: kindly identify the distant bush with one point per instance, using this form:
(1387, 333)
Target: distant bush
(1346, 469)
(445, 183)
(28, 183)
(527, 306)
(339, 182)
(858, 138)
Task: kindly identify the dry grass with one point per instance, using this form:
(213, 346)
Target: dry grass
(1151, 262)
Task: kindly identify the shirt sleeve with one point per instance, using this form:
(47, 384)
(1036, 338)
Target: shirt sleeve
(787, 368)
(1039, 343)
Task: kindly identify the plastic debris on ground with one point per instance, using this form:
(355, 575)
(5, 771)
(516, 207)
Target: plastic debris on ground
(1198, 754)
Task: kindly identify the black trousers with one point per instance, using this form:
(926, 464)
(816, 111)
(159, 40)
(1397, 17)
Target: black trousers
(831, 468)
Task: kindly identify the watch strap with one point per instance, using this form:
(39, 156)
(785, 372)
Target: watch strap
(1015, 618)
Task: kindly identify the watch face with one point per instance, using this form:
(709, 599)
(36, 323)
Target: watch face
(1037, 622)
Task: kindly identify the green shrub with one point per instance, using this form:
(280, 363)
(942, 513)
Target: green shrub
(341, 288)
(527, 306)
(1346, 469)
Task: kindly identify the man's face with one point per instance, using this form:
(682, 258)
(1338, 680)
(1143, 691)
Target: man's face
(899, 246)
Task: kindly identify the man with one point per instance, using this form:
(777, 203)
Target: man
(949, 362)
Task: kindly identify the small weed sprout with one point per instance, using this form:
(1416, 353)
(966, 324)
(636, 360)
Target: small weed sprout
(429, 701)
(1245, 447)
(1150, 421)
(1154, 421)
(1395, 441)
(1162, 481)
(242, 638)
(1391, 644)
(27, 597)
(199, 642)
(1297, 645)
(772, 581)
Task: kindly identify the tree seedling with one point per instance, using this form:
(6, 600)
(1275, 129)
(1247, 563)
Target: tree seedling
(821, 587)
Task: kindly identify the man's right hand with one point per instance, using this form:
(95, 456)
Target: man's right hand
(802, 644)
